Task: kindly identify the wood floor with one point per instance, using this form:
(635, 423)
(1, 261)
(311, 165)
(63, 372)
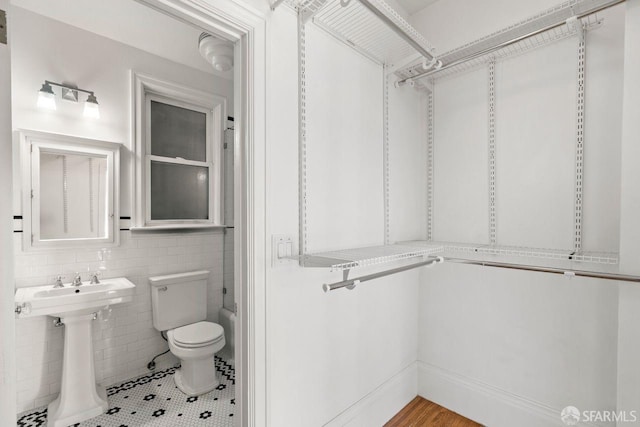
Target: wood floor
(422, 413)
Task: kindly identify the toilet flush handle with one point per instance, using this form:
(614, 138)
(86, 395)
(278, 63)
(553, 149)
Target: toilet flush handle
(162, 289)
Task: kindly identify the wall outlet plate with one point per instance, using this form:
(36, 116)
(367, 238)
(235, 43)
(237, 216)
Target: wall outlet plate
(282, 247)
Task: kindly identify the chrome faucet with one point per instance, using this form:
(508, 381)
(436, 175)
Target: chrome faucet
(94, 278)
(77, 280)
(58, 283)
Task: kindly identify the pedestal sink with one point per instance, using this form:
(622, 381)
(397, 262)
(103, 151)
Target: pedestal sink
(80, 397)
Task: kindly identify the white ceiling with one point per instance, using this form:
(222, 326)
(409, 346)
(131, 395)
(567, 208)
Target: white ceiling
(130, 23)
(413, 6)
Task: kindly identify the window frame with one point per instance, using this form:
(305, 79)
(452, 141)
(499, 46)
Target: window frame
(147, 89)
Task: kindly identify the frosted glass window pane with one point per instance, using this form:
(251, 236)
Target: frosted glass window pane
(179, 191)
(178, 132)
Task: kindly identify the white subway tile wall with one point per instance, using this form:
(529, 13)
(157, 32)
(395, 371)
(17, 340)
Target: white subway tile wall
(125, 340)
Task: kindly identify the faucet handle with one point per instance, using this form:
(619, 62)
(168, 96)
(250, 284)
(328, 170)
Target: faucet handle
(93, 278)
(58, 281)
(77, 279)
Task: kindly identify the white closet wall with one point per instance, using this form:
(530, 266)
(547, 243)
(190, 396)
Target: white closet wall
(499, 345)
(603, 130)
(535, 139)
(460, 183)
(344, 146)
(407, 168)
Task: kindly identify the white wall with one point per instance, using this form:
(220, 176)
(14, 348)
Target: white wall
(48, 49)
(629, 298)
(535, 135)
(460, 184)
(499, 345)
(605, 58)
(407, 164)
(535, 154)
(328, 352)
(468, 21)
(344, 136)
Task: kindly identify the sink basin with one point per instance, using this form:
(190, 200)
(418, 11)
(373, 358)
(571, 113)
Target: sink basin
(69, 300)
(80, 397)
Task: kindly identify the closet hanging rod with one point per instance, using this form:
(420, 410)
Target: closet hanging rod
(352, 282)
(507, 43)
(522, 267)
(553, 270)
(396, 29)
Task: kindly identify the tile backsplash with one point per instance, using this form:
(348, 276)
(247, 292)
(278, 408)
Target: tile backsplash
(125, 340)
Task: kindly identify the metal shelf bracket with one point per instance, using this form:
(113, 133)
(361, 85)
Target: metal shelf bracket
(274, 4)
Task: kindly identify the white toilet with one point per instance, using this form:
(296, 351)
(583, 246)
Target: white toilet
(179, 304)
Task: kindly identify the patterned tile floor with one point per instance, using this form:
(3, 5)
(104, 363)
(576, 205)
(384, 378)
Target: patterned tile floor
(154, 401)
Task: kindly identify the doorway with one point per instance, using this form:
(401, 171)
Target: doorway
(245, 29)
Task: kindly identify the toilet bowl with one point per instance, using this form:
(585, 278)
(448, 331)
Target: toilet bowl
(179, 307)
(195, 345)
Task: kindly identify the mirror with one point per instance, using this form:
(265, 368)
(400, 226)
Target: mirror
(70, 190)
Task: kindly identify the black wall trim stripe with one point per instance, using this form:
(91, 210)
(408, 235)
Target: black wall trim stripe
(230, 119)
(17, 217)
(125, 217)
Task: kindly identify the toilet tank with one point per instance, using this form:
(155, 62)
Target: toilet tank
(179, 299)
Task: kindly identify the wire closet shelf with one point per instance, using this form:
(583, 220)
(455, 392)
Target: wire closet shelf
(347, 259)
(371, 27)
(342, 260)
(451, 249)
(549, 26)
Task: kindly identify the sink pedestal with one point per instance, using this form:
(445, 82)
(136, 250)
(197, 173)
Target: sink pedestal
(80, 397)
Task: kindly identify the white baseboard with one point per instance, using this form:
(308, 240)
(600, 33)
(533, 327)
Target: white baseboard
(483, 403)
(379, 406)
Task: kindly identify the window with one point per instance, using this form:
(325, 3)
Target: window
(179, 155)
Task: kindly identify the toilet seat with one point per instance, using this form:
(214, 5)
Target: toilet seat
(195, 335)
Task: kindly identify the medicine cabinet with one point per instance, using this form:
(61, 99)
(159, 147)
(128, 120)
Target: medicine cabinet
(70, 190)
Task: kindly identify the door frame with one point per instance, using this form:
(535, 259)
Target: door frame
(246, 27)
(8, 397)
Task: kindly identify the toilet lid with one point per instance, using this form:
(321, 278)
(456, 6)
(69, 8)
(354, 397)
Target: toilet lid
(198, 333)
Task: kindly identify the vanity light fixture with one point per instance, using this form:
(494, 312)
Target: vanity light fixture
(47, 98)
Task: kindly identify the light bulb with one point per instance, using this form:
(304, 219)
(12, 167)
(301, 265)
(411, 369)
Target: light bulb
(46, 97)
(91, 107)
